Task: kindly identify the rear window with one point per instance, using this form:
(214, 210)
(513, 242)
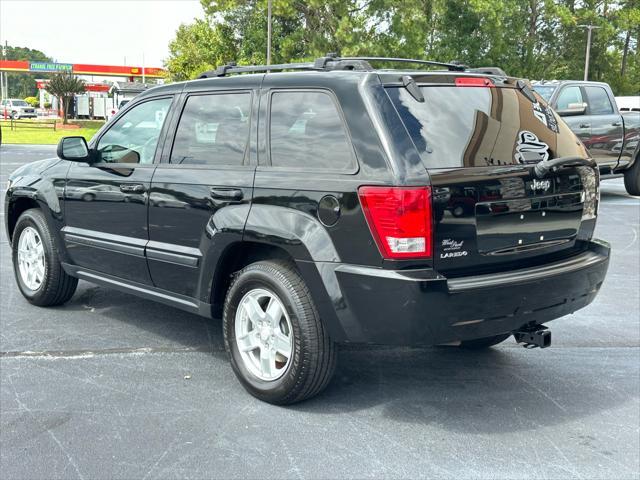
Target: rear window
(599, 102)
(545, 91)
(479, 126)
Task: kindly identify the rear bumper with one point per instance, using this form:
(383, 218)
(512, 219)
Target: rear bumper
(422, 308)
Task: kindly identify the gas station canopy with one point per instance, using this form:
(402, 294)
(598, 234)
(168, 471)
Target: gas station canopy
(80, 69)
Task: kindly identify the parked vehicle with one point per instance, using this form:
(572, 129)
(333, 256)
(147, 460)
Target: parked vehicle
(17, 109)
(628, 104)
(111, 112)
(591, 111)
(335, 203)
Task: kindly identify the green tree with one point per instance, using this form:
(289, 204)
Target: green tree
(527, 38)
(24, 84)
(65, 87)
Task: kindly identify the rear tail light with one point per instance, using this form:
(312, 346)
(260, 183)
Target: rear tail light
(399, 219)
(474, 82)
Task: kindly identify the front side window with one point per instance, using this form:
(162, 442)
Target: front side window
(599, 103)
(213, 130)
(569, 96)
(306, 131)
(133, 138)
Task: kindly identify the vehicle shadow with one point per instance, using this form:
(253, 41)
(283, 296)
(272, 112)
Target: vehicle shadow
(502, 389)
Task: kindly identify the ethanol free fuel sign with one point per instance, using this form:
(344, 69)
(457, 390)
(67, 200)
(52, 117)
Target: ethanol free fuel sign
(49, 67)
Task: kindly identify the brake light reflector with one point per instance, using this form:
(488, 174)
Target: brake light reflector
(474, 82)
(399, 219)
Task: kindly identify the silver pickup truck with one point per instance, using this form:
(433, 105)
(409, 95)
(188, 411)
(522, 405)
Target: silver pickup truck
(16, 109)
(590, 110)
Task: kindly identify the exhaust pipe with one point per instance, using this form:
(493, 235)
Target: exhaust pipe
(533, 336)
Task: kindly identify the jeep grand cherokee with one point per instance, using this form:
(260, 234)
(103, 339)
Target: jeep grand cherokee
(331, 202)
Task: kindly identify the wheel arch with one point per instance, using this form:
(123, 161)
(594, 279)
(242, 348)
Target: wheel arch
(234, 258)
(243, 253)
(16, 206)
(20, 199)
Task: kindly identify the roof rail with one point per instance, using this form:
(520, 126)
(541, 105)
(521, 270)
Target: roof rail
(233, 68)
(329, 62)
(450, 66)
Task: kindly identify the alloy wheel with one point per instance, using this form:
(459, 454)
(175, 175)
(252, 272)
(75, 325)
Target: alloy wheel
(263, 334)
(31, 264)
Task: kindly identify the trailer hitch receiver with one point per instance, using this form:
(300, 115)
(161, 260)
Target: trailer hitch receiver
(533, 336)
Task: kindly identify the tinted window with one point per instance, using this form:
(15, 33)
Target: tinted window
(134, 136)
(599, 103)
(568, 96)
(476, 127)
(307, 132)
(213, 130)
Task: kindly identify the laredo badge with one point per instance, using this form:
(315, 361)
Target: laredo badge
(530, 149)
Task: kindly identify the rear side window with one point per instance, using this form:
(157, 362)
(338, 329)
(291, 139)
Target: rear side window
(307, 132)
(569, 96)
(480, 126)
(213, 130)
(598, 100)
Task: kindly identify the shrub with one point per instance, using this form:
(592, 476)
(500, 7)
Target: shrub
(33, 101)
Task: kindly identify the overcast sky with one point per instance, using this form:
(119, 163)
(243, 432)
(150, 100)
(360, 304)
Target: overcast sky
(96, 31)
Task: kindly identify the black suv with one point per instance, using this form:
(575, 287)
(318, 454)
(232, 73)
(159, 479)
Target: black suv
(330, 202)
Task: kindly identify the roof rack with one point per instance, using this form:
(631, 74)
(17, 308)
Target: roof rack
(449, 66)
(329, 62)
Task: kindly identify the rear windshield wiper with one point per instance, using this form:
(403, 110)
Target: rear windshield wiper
(412, 87)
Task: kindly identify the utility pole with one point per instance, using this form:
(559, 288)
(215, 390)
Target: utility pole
(588, 54)
(3, 75)
(269, 32)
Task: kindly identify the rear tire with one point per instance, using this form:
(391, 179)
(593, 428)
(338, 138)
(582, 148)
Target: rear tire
(312, 355)
(486, 342)
(632, 178)
(53, 286)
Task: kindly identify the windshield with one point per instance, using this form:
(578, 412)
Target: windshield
(19, 103)
(545, 91)
(479, 127)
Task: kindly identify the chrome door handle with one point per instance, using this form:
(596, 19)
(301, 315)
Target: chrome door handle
(584, 125)
(132, 188)
(616, 124)
(233, 194)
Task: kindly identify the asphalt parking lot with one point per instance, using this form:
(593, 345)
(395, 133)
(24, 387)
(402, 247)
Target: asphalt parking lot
(111, 386)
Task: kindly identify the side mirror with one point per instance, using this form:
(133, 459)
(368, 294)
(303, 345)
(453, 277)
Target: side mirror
(573, 109)
(74, 149)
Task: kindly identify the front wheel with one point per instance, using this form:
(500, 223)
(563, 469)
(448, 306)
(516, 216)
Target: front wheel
(36, 265)
(632, 178)
(15, 116)
(279, 348)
